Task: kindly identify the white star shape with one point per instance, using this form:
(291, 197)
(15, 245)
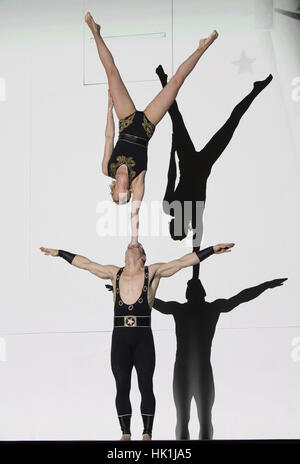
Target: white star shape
(244, 63)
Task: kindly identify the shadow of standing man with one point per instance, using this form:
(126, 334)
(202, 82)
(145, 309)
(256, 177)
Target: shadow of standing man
(195, 324)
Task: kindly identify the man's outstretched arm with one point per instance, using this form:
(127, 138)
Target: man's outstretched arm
(190, 259)
(102, 271)
(247, 295)
(165, 307)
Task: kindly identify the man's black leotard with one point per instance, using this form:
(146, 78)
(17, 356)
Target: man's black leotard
(132, 345)
(135, 132)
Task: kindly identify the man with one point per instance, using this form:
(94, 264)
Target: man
(134, 287)
(195, 323)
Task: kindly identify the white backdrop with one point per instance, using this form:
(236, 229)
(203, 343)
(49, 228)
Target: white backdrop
(55, 321)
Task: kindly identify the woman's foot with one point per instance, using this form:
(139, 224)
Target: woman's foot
(161, 74)
(204, 43)
(146, 436)
(95, 28)
(125, 437)
(260, 85)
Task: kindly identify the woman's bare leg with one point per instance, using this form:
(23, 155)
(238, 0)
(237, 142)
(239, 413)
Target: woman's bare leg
(161, 103)
(121, 98)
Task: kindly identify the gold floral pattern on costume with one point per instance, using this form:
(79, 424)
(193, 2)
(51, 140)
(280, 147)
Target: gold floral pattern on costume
(130, 163)
(148, 126)
(125, 122)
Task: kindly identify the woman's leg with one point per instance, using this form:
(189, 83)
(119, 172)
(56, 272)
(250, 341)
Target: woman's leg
(121, 98)
(161, 103)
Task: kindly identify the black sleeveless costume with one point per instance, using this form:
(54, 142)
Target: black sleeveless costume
(133, 345)
(135, 132)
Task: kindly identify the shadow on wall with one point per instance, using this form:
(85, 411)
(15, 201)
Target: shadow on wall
(195, 323)
(195, 166)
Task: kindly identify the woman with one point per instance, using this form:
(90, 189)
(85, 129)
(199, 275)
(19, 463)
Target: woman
(127, 161)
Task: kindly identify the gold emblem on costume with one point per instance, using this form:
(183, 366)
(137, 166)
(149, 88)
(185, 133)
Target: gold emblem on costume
(140, 300)
(130, 307)
(120, 303)
(148, 127)
(146, 275)
(130, 321)
(122, 159)
(125, 122)
(144, 288)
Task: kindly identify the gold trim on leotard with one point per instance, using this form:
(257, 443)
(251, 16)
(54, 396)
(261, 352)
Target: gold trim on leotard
(125, 122)
(122, 159)
(148, 126)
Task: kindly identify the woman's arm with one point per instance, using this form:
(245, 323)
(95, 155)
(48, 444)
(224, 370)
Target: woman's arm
(109, 135)
(137, 197)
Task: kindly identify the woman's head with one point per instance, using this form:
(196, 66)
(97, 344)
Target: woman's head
(120, 188)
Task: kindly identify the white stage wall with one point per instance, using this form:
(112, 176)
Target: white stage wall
(55, 321)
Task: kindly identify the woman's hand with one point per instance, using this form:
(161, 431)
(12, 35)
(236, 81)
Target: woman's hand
(134, 243)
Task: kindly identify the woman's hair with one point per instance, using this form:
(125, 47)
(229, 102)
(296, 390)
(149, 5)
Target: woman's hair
(112, 189)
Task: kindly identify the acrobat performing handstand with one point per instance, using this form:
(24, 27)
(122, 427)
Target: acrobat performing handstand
(126, 162)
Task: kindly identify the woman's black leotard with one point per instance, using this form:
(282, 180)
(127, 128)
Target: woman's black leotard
(131, 148)
(133, 346)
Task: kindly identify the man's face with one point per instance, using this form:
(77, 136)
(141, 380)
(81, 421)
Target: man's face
(136, 251)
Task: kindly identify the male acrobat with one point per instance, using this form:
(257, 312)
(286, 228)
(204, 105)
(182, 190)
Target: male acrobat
(135, 286)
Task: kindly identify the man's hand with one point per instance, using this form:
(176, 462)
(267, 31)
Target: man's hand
(223, 248)
(276, 282)
(49, 251)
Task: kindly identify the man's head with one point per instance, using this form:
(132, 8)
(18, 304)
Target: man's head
(134, 253)
(195, 292)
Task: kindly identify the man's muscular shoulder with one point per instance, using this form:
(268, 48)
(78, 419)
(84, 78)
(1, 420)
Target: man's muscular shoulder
(153, 270)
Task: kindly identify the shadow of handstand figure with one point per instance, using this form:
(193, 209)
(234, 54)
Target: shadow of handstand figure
(195, 323)
(195, 166)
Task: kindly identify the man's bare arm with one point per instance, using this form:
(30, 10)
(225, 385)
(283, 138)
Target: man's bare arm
(102, 271)
(190, 259)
